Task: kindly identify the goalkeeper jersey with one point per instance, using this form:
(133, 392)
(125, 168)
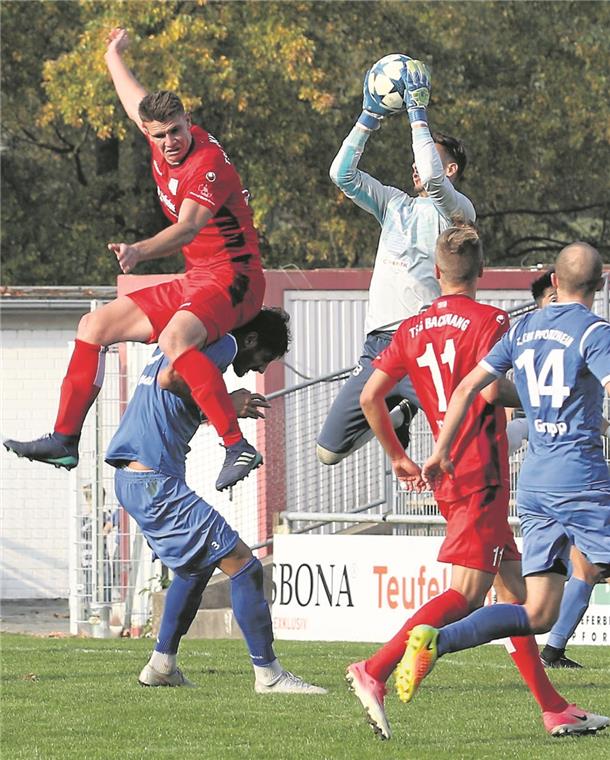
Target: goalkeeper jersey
(561, 360)
(403, 280)
(158, 425)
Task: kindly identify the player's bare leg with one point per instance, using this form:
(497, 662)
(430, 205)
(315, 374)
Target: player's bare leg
(180, 341)
(118, 320)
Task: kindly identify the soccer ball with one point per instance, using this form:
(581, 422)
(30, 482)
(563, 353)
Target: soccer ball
(384, 83)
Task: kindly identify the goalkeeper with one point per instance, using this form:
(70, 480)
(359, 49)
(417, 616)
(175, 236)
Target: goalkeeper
(403, 280)
(188, 535)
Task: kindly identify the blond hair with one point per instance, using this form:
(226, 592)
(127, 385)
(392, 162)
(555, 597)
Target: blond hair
(459, 252)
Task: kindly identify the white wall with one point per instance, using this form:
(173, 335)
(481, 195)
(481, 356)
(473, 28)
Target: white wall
(34, 497)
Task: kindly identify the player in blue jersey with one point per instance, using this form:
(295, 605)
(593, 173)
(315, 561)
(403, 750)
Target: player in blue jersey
(584, 575)
(189, 536)
(561, 361)
(403, 280)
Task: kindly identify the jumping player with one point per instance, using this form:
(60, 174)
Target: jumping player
(403, 280)
(561, 361)
(149, 451)
(201, 194)
(437, 349)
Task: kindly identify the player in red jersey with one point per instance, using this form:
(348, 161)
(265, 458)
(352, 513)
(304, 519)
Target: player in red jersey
(437, 349)
(223, 287)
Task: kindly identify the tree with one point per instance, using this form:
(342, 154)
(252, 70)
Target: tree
(524, 84)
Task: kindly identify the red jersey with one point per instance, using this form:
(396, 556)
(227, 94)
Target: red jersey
(208, 177)
(437, 349)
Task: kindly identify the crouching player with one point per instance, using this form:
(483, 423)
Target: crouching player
(190, 537)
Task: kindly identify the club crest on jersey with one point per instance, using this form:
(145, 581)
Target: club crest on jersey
(173, 185)
(500, 319)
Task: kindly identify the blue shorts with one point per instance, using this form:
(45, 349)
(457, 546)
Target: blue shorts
(552, 521)
(345, 420)
(183, 530)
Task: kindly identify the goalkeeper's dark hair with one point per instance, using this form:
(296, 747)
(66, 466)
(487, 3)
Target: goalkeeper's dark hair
(160, 106)
(456, 150)
(459, 251)
(540, 284)
(271, 326)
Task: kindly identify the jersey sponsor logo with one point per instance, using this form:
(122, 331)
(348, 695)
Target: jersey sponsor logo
(210, 176)
(204, 192)
(167, 202)
(552, 428)
(173, 185)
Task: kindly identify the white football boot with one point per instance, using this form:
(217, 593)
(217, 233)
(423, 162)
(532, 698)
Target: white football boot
(151, 677)
(288, 683)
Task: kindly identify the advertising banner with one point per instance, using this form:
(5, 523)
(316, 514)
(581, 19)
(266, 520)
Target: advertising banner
(363, 588)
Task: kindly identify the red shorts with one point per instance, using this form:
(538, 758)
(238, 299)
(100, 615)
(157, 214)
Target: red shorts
(221, 297)
(478, 534)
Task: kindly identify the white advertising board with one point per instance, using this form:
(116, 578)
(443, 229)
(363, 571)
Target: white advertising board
(363, 588)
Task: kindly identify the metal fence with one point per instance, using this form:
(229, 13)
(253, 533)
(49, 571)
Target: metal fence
(112, 572)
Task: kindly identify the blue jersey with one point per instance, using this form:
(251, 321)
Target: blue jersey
(158, 425)
(561, 360)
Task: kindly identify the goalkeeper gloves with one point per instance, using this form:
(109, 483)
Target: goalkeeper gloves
(372, 112)
(417, 91)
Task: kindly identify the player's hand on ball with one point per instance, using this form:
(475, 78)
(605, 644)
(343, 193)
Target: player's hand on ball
(436, 467)
(127, 256)
(372, 112)
(417, 90)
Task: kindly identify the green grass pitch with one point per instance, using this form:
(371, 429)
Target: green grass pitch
(79, 698)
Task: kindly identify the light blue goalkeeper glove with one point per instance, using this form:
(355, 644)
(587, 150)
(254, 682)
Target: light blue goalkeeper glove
(417, 91)
(372, 112)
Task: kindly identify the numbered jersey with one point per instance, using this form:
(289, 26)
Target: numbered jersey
(207, 177)
(561, 360)
(437, 349)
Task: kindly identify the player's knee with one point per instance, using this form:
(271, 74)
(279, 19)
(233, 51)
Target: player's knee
(328, 457)
(541, 619)
(91, 327)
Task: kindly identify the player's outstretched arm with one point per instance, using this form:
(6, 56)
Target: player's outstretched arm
(439, 463)
(129, 90)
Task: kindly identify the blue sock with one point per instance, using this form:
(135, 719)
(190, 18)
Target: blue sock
(576, 596)
(181, 604)
(252, 612)
(483, 625)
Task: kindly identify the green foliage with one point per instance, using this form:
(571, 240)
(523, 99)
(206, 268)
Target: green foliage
(71, 699)
(279, 83)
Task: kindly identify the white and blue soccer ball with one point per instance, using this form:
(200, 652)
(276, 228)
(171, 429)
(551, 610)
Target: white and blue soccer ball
(384, 81)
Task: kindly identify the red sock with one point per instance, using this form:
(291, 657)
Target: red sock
(210, 393)
(80, 386)
(440, 610)
(527, 659)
